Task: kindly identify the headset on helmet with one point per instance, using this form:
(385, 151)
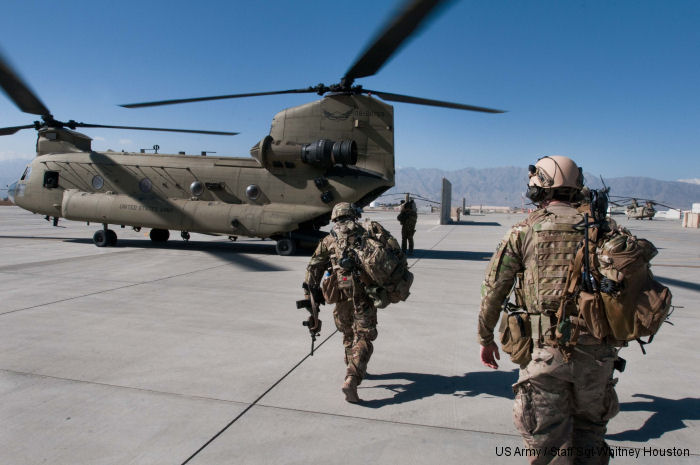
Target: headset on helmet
(554, 175)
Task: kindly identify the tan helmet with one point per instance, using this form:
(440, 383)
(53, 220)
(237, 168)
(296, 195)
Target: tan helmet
(343, 209)
(556, 171)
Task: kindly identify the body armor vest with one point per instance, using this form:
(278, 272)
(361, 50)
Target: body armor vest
(556, 234)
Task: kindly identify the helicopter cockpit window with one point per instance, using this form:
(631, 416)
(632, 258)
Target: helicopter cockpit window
(97, 182)
(145, 185)
(27, 172)
(51, 179)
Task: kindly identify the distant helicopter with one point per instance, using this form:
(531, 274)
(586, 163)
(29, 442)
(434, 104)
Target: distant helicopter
(338, 148)
(637, 211)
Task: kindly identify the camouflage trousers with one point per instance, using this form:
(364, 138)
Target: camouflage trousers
(562, 409)
(359, 328)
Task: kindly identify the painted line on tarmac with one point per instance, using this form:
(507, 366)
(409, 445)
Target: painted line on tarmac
(256, 401)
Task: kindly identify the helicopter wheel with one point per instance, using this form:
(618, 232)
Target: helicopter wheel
(100, 238)
(159, 235)
(111, 238)
(285, 247)
(185, 236)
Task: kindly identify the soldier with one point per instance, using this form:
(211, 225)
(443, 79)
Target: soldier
(408, 216)
(562, 401)
(355, 312)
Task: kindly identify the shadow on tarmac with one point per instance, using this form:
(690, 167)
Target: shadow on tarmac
(450, 255)
(679, 283)
(668, 415)
(420, 385)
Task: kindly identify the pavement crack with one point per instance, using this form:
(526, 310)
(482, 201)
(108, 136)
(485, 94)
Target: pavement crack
(104, 291)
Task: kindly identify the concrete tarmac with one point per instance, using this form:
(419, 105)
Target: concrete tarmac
(195, 353)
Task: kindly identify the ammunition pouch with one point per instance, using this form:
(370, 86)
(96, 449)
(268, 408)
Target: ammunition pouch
(516, 337)
(329, 289)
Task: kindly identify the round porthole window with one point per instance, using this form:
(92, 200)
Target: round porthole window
(252, 192)
(145, 185)
(197, 188)
(97, 182)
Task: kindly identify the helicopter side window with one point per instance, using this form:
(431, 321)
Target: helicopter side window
(27, 172)
(51, 179)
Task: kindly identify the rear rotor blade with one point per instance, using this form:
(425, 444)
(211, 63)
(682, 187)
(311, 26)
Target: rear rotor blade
(424, 101)
(19, 92)
(14, 129)
(218, 97)
(191, 131)
(393, 35)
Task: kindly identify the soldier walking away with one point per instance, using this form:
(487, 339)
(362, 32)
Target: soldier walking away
(408, 217)
(563, 399)
(341, 271)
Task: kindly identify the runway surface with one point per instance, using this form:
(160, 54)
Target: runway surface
(195, 353)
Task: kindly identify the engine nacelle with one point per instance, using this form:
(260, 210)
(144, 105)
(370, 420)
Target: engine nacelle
(322, 153)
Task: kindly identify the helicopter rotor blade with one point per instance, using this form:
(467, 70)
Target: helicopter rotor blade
(429, 102)
(14, 129)
(73, 125)
(393, 35)
(217, 97)
(19, 92)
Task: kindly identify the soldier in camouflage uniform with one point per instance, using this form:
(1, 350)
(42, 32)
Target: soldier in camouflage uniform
(408, 217)
(562, 403)
(355, 313)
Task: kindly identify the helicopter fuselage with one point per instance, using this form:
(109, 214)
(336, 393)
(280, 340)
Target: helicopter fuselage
(295, 175)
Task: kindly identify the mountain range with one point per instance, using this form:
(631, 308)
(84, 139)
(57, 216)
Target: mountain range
(506, 186)
(488, 186)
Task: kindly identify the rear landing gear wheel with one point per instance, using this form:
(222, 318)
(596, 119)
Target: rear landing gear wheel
(285, 247)
(185, 236)
(159, 235)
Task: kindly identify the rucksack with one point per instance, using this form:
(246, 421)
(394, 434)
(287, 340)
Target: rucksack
(384, 262)
(384, 270)
(622, 301)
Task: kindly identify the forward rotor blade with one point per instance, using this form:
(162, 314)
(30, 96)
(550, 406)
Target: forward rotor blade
(218, 97)
(18, 91)
(393, 35)
(14, 129)
(191, 131)
(433, 103)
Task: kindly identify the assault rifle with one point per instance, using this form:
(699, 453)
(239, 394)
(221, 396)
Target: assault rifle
(313, 323)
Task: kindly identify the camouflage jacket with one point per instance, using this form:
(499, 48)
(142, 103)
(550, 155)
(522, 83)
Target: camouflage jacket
(408, 216)
(541, 248)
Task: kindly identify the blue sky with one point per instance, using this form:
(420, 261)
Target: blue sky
(613, 84)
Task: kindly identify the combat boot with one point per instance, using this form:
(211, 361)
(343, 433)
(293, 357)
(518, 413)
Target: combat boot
(350, 389)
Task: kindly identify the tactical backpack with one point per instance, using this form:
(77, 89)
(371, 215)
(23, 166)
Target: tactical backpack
(384, 271)
(618, 298)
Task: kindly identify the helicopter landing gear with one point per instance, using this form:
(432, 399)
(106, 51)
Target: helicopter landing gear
(286, 247)
(159, 235)
(105, 237)
(233, 238)
(185, 236)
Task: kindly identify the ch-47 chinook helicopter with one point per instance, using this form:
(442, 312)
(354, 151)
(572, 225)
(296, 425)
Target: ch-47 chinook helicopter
(338, 148)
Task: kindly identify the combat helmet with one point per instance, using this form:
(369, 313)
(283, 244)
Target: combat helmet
(554, 177)
(343, 209)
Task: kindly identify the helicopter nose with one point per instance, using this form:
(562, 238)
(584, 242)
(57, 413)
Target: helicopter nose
(11, 191)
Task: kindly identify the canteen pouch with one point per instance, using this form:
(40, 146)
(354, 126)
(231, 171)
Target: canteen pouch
(592, 310)
(516, 337)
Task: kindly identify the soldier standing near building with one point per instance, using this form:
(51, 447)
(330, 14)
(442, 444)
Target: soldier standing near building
(562, 402)
(408, 217)
(335, 266)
